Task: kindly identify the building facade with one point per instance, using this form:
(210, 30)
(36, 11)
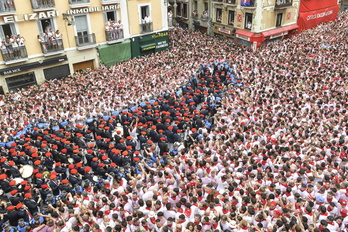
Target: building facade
(47, 39)
(251, 23)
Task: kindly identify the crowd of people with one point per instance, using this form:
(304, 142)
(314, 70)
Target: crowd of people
(205, 136)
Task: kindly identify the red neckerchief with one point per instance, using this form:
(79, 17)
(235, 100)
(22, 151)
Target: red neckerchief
(215, 226)
(153, 220)
(187, 212)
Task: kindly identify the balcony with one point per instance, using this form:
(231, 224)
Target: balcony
(145, 28)
(52, 47)
(106, 2)
(39, 5)
(79, 3)
(7, 7)
(85, 40)
(283, 4)
(248, 3)
(232, 2)
(112, 36)
(205, 16)
(13, 54)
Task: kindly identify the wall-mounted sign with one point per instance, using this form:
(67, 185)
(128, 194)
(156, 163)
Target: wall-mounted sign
(225, 31)
(242, 37)
(92, 9)
(30, 16)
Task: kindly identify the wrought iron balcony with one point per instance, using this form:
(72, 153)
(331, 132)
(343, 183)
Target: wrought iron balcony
(42, 4)
(7, 7)
(84, 39)
(145, 28)
(79, 3)
(52, 46)
(113, 35)
(12, 54)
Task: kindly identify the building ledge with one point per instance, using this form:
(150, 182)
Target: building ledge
(106, 2)
(115, 41)
(87, 47)
(80, 5)
(44, 9)
(53, 53)
(16, 61)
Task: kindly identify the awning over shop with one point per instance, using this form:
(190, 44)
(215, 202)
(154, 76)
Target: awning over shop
(148, 46)
(279, 31)
(244, 35)
(115, 53)
(307, 20)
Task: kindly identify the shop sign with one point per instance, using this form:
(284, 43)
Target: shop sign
(242, 37)
(225, 31)
(30, 16)
(92, 9)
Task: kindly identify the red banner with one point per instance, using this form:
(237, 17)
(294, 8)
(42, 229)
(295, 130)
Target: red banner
(309, 5)
(311, 19)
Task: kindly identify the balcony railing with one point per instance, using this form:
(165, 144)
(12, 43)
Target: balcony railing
(79, 3)
(52, 46)
(205, 17)
(42, 4)
(110, 1)
(233, 2)
(145, 28)
(7, 6)
(12, 53)
(280, 4)
(112, 35)
(84, 39)
(71, 2)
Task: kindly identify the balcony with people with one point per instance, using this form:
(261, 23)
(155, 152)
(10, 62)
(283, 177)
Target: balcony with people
(51, 43)
(113, 31)
(7, 7)
(39, 5)
(146, 25)
(13, 49)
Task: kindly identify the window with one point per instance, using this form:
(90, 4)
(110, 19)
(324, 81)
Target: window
(82, 29)
(206, 8)
(279, 19)
(195, 5)
(178, 9)
(145, 12)
(110, 16)
(7, 30)
(248, 21)
(231, 14)
(184, 10)
(218, 15)
(46, 25)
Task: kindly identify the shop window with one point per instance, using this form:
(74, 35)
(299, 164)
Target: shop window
(21, 81)
(279, 19)
(218, 15)
(248, 21)
(231, 14)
